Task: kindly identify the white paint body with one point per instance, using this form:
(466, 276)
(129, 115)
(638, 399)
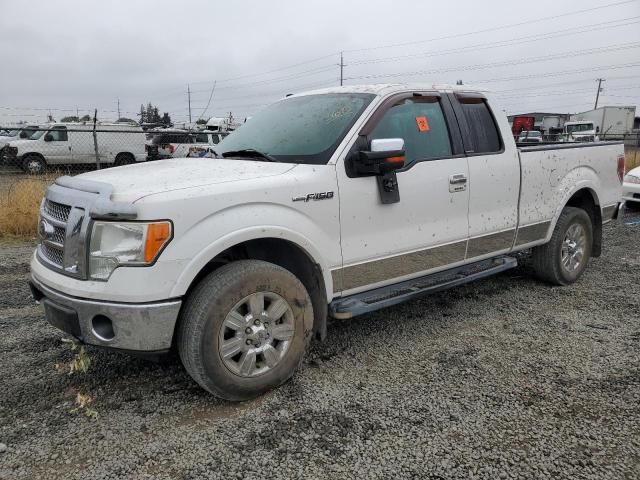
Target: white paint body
(79, 147)
(614, 122)
(631, 186)
(203, 140)
(215, 204)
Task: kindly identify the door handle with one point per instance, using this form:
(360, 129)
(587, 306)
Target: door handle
(457, 179)
(457, 183)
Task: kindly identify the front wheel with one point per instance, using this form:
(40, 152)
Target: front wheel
(34, 165)
(564, 259)
(245, 328)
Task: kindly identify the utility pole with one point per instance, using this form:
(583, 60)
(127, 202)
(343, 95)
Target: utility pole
(119, 109)
(599, 80)
(341, 68)
(189, 97)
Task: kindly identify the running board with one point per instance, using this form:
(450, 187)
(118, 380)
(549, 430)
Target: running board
(353, 305)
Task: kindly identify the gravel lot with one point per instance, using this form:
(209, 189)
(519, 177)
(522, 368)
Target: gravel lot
(505, 378)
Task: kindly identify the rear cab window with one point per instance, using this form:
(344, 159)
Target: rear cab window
(483, 132)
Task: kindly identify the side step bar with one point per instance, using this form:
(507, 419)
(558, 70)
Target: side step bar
(359, 303)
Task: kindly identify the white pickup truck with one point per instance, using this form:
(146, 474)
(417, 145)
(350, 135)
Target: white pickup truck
(331, 203)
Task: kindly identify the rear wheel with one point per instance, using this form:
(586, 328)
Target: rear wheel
(563, 260)
(34, 164)
(124, 159)
(245, 328)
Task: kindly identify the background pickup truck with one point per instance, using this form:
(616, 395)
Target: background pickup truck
(333, 203)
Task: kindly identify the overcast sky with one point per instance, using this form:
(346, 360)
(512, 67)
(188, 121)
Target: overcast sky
(68, 54)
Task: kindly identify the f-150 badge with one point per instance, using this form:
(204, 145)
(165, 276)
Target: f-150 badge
(313, 196)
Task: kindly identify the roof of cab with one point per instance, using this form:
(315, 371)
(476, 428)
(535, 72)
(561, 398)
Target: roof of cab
(389, 88)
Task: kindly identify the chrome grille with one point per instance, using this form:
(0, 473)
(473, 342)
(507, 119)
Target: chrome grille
(52, 232)
(58, 235)
(53, 254)
(57, 211)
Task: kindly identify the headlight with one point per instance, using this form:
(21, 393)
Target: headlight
(125, 243)
(631, 179)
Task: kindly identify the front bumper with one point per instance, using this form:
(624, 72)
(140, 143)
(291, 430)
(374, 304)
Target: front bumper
(139, 327)
(631, 192)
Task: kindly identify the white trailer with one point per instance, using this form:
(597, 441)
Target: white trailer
(612, 123)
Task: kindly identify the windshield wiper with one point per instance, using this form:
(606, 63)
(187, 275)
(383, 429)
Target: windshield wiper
(251, 153)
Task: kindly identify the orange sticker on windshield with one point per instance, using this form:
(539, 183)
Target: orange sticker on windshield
(423, 124)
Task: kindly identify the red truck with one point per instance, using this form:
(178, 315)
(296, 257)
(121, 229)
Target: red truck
(522, 123)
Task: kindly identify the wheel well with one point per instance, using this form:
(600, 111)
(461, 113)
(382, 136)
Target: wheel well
(287, 255)
(586, 200)
(125, 154)
(34, 154)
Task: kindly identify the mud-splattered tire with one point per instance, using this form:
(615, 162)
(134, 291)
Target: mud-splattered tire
(244, 329)
(565, 257)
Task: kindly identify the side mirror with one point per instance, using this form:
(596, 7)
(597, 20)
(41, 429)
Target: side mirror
(384, 156)
(597, 129)
(23, 134)
(48, 137)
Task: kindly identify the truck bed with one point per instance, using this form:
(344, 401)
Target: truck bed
(566, 168)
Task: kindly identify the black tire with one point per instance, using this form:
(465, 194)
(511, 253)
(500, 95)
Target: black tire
(547, 259)
(635, 206)
(124, 159)
(34, 164)
(206, 309)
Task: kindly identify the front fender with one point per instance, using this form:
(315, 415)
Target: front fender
(232, 226)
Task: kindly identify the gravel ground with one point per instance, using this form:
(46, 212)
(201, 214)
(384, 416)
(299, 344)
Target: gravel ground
(505, 378)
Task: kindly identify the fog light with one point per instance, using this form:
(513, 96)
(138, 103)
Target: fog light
(103, 328)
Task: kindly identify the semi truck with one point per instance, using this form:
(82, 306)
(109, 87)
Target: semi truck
(611, 123)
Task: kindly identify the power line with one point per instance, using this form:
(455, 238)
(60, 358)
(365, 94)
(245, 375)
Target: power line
(208, 102)
(556, 84)
(505, 43)
(562, 92)
(517, 61)
(493, 29)
(557, 74)
(270, 71)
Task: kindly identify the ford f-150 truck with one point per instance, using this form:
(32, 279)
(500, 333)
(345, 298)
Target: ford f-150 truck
(331, 203)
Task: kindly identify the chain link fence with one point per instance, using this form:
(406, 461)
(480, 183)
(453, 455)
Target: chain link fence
(69, 148)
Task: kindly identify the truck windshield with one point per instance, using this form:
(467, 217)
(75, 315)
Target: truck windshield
(580, 127)
(304, 129)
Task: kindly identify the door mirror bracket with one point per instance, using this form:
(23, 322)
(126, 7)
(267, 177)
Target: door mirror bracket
(384, 157)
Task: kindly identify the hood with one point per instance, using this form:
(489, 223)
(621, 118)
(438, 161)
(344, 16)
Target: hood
(133, 182)
(20, 142)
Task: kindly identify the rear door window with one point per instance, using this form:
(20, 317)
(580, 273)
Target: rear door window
(483, 131)
(420, 122)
